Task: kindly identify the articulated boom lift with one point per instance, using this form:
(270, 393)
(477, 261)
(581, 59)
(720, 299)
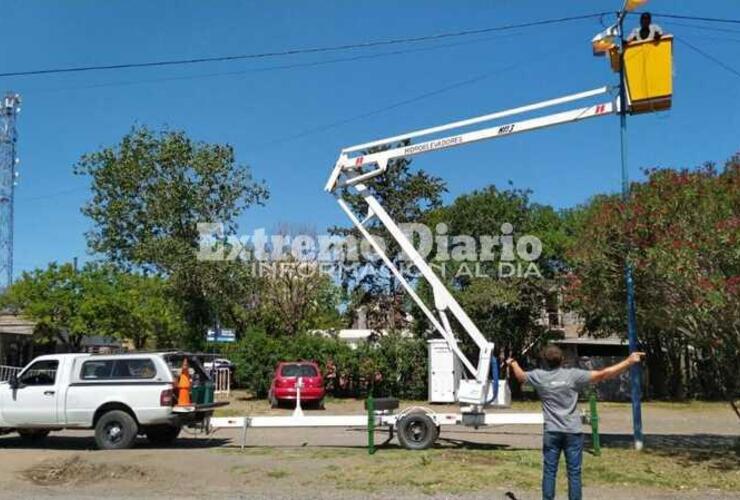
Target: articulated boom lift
(645, 85)
(355, 169)
(645, 69)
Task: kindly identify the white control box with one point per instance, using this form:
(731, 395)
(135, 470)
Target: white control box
(445, 371)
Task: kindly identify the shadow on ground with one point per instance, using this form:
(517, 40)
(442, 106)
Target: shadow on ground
(53, 442)
(718, 451)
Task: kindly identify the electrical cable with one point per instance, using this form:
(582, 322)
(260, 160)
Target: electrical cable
(278, 67)
(350, 46)
(692, 18)
(708, 56)
(299, 51)
(405, 102)
(707, 28)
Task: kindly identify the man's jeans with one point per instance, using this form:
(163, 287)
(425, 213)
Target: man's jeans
(552, 444)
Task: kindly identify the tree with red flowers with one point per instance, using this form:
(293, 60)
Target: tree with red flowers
(681, 232)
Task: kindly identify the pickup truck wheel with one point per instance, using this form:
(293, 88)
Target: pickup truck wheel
(162, 434)
(33, 435)
(417, 431)
(116, 430)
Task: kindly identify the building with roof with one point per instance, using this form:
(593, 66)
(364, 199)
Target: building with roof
(16, 339)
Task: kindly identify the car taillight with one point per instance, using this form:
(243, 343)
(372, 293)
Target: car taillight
(167, 397)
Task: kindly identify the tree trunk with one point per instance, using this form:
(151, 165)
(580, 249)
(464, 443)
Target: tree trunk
(656, 365)
(677, 375)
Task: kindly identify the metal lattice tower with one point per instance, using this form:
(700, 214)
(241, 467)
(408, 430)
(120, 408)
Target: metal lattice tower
(9, 109)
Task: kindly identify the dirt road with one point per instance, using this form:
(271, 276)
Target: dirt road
(333, 463)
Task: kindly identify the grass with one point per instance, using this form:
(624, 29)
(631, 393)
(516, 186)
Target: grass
(228, 412)
(452, 471)
(277, 473)
(459, 470)
(692, 405)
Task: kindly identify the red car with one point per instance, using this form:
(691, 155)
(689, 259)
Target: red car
(283, 387)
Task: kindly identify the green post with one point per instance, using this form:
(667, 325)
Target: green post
(370, 425)
(594, 420)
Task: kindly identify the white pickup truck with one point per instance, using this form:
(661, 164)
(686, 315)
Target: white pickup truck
(119, 396)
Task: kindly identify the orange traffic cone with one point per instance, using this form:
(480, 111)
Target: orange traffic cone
(183, 385)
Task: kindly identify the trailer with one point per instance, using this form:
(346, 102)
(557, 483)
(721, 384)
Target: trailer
(417, 427)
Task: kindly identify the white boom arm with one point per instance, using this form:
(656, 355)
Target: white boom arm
(354, 168)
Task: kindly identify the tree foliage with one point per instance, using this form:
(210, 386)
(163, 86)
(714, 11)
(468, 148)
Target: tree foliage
(298, 298)
(149, 192)
(406, 195)
(681, 230)
(145, 312)
(97, 300)
(390, 365)
(506, 306)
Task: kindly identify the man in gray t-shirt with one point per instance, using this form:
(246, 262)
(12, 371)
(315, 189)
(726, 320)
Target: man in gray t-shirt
(558, 389)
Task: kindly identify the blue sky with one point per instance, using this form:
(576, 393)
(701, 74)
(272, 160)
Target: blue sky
(277, 118)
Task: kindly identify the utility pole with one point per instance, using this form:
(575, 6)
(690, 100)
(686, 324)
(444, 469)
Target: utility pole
(9, 109)
(635, 370)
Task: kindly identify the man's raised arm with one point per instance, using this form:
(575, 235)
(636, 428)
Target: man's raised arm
(614, 370)
(520, 375)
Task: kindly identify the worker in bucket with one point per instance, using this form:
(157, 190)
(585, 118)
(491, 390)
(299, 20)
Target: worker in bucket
(646, 31)
(558, 389)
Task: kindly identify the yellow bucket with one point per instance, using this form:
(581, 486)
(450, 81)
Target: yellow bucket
(648, 70)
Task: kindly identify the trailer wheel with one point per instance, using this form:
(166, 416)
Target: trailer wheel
(417, 431)
(116, 430)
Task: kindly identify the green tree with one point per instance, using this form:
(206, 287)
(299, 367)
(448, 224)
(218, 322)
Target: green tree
(68, 305)
(144, 311)
(505, 298)
(298, 298)
(407, 196)
(56, 299)
(149, 194)
(392, 365)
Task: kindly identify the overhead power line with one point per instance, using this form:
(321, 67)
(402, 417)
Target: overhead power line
(695, 18)
(289, 66)
(343, 47)
(708, 56)
(299, 51)
(706, 28)
(405, 102)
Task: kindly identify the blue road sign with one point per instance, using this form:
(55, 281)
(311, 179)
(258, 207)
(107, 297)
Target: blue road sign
(221, 335)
